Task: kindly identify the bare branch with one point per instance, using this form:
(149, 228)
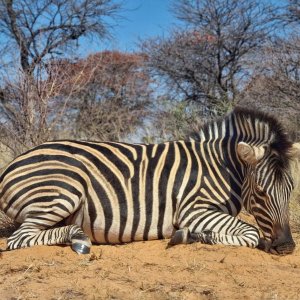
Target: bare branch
(115, 98)
(40, 28)
(204, 63)
(275, 85)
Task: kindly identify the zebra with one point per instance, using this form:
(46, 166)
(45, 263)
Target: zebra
(83, 192)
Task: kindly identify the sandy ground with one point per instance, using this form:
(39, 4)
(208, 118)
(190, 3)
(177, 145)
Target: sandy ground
(146, 270)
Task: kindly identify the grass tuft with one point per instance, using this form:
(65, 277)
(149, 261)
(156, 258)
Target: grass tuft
(7, 226)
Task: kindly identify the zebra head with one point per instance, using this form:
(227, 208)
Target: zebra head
(266, 192)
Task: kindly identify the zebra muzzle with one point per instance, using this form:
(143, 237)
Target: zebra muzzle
(276, 247)
(282, 248)
(283, 242)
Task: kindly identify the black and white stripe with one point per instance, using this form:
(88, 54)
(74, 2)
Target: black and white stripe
(189, 190)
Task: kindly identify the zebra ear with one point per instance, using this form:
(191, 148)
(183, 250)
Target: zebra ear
(250, 154)
(295, 151)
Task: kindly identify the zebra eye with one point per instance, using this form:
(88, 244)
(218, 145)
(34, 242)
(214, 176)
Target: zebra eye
(260, 190)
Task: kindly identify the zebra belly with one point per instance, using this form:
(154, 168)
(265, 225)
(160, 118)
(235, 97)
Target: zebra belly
(98, 232)
(99, 235)
(113, 237)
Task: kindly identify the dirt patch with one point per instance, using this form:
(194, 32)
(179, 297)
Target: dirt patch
(146, 270)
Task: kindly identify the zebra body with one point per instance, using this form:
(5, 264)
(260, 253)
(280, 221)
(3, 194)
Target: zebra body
(131, 197)
(117, 193)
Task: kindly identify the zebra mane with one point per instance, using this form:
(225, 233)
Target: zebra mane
(277, 138)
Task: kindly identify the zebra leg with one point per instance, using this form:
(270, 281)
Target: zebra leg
(41, 224)
(29, 235)
(214, 227)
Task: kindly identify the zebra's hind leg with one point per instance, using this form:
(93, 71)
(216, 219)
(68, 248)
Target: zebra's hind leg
(29, 234)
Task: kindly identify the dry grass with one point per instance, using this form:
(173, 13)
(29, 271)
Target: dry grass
(295, 198)
(7, 226)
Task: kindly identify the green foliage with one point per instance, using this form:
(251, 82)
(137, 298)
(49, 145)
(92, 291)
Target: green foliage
(172, 120)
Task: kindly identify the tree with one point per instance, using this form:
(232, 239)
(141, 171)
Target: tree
(31, 110)
(41, 29)
(291, 13)
(39, 32)
(172, 120)
(184, 63)
(115, 97)
(275, 84)
(206, 61)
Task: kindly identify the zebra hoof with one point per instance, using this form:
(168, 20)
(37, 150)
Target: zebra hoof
(264, 245)
(181, 236)
(80, 248)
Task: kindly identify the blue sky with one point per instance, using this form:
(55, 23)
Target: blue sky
(144, 18)
(139, 19)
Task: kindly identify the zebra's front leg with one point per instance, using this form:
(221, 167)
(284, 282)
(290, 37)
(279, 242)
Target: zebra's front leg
(29, 234)
(214, 227)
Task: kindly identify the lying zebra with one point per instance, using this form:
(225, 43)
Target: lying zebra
(72, 192)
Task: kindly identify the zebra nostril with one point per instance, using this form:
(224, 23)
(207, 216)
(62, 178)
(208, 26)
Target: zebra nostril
(282, 248)
(283, 242)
